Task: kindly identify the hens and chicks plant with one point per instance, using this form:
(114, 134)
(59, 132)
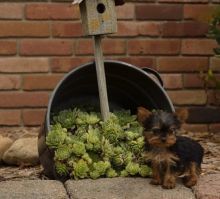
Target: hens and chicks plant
(86, 147)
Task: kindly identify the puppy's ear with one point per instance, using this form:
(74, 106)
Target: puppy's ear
(182, 114)
(142, 115)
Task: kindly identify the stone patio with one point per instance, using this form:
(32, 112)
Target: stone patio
(117, 188)
(29, 182)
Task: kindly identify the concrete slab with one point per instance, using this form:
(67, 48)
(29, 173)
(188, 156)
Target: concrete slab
(32, 189)
(123, 188)
(208, 187)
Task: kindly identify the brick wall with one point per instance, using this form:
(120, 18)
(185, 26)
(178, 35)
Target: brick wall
(42, 40)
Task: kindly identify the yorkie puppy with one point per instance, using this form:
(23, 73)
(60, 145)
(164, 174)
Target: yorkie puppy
(170, 155)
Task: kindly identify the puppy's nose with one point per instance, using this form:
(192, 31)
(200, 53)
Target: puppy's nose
(163, 139)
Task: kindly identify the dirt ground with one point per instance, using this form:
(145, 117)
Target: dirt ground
(211, 161)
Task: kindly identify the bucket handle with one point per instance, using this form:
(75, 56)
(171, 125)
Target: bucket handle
(155, 73)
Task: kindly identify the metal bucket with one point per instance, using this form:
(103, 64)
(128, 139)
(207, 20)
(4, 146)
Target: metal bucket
(128, 87)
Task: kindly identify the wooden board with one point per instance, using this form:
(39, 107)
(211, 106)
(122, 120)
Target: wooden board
(98, 21)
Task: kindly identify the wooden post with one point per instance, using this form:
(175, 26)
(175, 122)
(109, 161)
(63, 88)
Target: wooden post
(100, 71)
(99, 18)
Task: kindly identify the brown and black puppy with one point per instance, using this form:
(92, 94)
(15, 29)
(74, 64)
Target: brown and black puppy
(169, 155)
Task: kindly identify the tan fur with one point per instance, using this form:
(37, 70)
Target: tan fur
(142, 114)
(182, 114)
(161, 156)
(169, 181)
(155, 141)
(156, 178)
(193, 174)
(170, 140)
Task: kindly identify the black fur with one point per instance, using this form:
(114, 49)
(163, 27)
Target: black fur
(188, 151)
(163, 120)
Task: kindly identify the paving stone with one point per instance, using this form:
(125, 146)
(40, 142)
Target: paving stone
(123, 188)
(32, 189)
(208, 187)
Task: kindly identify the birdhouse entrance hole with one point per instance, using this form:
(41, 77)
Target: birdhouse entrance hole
(101, 8)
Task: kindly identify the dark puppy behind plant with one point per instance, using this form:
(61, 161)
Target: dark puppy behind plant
(170, 155)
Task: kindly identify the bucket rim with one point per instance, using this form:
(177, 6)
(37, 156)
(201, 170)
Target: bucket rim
(47, 122)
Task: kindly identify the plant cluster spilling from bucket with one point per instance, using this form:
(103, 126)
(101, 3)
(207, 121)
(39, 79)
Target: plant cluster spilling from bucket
(87, 147)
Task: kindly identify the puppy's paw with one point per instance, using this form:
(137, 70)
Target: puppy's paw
(190, 182)
(169, 185)
(156, 182)
(169, 182)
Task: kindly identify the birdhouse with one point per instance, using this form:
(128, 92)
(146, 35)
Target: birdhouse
(98, 17)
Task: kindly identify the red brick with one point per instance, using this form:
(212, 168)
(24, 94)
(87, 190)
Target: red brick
(67, 29)
(11, 11)
(110, 46)
(215, 64)
(198, 12)
(184, 29)
(67, 64)
(13, 27)
(24, 29)
(172, 81)
(8, 47)
(213, 83)
(126, 11)
(154, 47)
(23, 99)
(10, 117)
(33, 117)
(188, 97)
(52, 11)
(198, 46)
(148, 28)
(204, 114)
(195, 127)
(23, 65)
(84, 47)
(40, 82)
(214, 128)
(159, 12)
(46, 47)
(127, 28)
(182, 64)
(214, 97)
(193, 81)
(138, 61)
(9, 82)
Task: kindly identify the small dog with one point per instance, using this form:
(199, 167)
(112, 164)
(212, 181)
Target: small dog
(170, 155)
